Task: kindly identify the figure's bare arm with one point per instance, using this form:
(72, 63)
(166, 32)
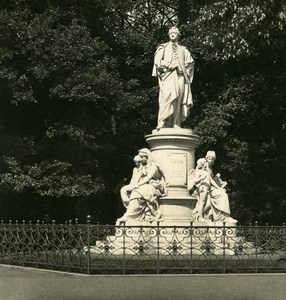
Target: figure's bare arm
(133, 178)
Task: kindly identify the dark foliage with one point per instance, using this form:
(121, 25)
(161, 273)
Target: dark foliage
(77, 98)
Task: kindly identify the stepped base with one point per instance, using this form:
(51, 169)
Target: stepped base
(164, 241)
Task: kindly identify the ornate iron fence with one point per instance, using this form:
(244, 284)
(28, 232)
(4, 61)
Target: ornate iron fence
(106, 249)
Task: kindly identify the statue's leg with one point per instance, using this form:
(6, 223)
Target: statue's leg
(124, 193)
(132, 211)
(160, 124)
(161, 120)
(203, 196)
(177, 103)
(177, 112)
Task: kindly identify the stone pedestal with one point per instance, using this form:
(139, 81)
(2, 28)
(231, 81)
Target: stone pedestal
(176, 233)
(174, 150)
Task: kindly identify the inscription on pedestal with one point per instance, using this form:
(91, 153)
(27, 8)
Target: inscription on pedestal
(177, 169)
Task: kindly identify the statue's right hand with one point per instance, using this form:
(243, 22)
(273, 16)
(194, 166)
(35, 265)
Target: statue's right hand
(161, 69)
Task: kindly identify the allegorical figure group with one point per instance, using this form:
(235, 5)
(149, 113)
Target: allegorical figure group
(209, 190)
(147, 185)
(140, 196)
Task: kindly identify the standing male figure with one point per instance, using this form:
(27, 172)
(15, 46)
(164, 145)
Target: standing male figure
(174, 67)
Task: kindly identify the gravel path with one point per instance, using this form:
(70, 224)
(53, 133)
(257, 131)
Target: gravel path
(29, 284)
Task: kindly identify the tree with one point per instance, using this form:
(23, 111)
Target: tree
(240, 110)
(55, 83)
(77, 98)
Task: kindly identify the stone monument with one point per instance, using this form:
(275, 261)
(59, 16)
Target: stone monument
(172, 147)
(166, 189)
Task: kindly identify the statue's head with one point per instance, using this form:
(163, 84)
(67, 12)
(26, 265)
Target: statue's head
(174, 29)
(144, 154)
(210, 157)
(137, 160)
(174, 33)
(201, 163)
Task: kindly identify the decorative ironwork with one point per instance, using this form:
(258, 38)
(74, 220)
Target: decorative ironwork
(99, 249)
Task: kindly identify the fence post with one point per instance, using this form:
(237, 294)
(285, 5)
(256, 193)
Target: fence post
(256, 246)
(37, 249)
(191, 247)
(88, 221)
(124, 248)
(223, 243)
(158, 248)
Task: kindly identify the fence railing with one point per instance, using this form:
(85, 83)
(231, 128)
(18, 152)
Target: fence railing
(110, 249)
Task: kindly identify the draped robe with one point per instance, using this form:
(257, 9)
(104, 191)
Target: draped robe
(175, 74)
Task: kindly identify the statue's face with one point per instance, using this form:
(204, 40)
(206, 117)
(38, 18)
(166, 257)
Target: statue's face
(174, 36)
(144, 159)
(210, 160)
(137, 163)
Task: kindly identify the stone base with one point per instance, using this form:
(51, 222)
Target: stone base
(176, 211)
(173, 149)
(201, 239)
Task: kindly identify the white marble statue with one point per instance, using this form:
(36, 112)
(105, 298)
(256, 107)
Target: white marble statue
(136, 175)
(174, 67)
(141, 197)
(212, 199)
